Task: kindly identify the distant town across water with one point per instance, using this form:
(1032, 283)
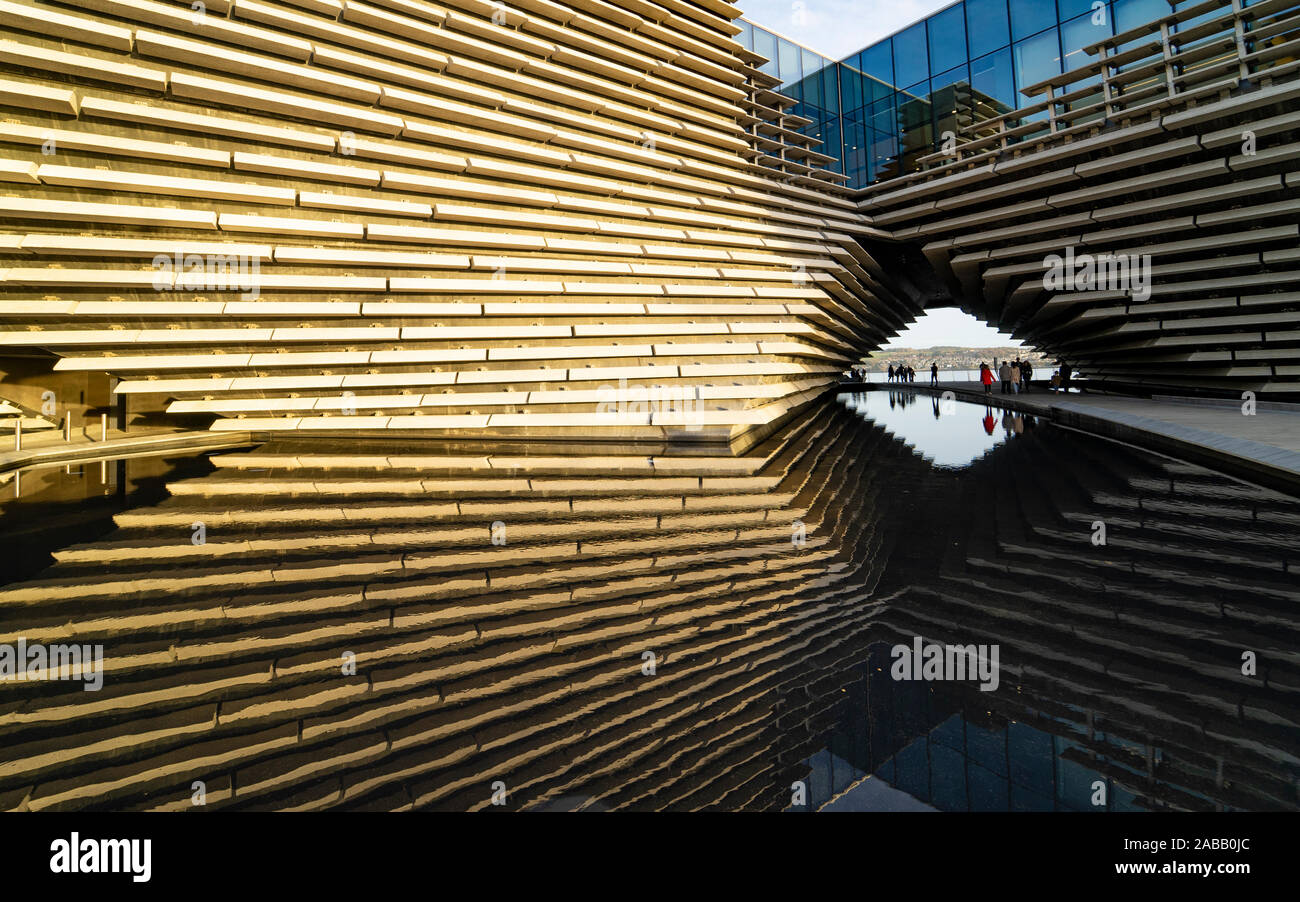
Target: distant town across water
(953, 359)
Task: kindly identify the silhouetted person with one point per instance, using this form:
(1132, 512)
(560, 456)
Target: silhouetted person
(1026, 373)
(1004, 374)
(1067, 373)
(891, 372)
(934, 374)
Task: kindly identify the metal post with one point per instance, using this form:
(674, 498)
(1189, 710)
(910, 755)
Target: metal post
(67, 426)
(103, 427)
(18, 433)
(1167, 48)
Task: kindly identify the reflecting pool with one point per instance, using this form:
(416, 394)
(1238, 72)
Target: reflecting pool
(473, 627)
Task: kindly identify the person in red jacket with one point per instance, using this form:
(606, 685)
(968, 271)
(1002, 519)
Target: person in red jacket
(986, 376)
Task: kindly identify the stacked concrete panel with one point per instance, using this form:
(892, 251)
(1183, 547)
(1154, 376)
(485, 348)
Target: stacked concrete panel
(457, 218)
(599, 220)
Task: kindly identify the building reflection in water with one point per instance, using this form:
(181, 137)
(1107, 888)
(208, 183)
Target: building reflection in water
(386, 628)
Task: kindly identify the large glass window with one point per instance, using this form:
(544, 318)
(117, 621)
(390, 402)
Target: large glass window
(916, 123)
(1037, 58)
(986, 26)
(851, 93)
(812, 94)
(911, 58)
(874, 89)
(955, 75)
(947, 35)
(878, 62)
(765, 45)
(1081, 32)
(831, 144)
(746, 36)
(855, 148)
(993, 83)
(1132, 13)
(966, 63)
(1068, 9)
(882, 117)
(831, 90)
(950, 99)
(788, 55)
(1031, 16)
(883, 160)
(813, 62)
(882, 132)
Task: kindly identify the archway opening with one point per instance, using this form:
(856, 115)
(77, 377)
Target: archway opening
(954, 341)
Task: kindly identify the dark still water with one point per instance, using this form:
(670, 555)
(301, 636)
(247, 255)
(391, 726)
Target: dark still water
(536, 627)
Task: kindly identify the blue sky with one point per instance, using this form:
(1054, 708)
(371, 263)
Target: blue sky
(837, 28)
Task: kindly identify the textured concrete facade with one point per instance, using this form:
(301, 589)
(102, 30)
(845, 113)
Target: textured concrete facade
(463, 218)
(596, 220)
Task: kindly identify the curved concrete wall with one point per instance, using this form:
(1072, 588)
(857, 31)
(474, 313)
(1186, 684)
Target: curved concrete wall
(588, 219)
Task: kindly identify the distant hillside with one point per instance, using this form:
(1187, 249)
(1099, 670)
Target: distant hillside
(952, 358)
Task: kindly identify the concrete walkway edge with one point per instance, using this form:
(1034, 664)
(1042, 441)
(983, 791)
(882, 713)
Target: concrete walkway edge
(131, 446)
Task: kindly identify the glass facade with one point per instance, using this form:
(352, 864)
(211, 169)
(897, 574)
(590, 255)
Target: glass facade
(880, 110)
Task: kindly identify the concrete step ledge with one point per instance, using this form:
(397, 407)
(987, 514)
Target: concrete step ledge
(130, 446)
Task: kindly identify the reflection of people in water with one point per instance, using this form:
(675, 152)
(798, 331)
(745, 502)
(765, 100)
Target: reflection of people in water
(935, 399)
(990, 422)
(901, 399)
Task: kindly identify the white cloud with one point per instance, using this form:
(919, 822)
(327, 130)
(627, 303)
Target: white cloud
(950, 327)
(836, 28)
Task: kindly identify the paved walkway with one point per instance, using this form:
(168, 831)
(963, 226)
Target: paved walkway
(1263, 447)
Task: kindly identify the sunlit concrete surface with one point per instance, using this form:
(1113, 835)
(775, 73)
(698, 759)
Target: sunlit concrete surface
(602, 221)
